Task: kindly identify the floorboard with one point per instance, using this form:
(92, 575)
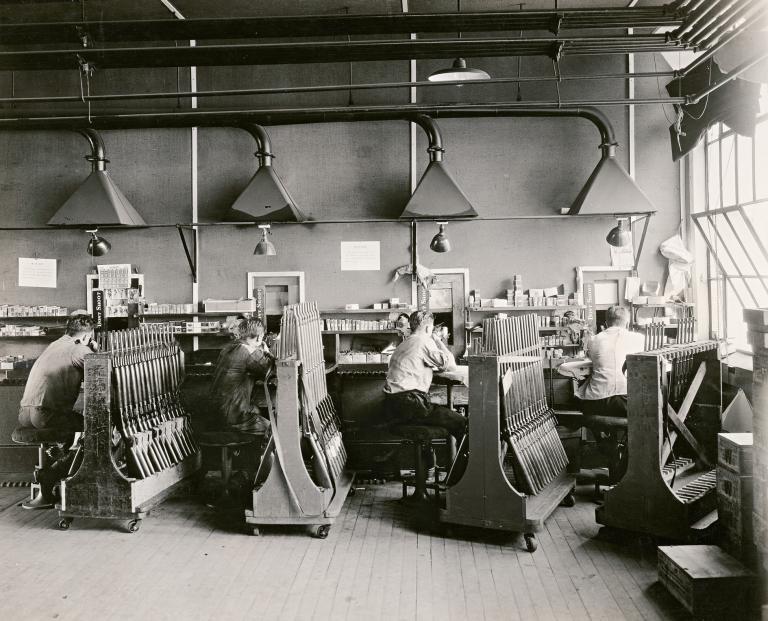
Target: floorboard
(380, 561)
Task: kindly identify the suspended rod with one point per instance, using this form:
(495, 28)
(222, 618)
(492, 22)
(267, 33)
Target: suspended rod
(613, 215)
(329, 88)
(735, 73)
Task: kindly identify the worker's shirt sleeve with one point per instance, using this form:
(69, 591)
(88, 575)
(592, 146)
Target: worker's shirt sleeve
(434, 357)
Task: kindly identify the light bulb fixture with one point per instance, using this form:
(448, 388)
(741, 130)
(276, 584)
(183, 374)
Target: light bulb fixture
(619, 236)
(440, 242)
(458, 72)
(265, 247)
(97, 246)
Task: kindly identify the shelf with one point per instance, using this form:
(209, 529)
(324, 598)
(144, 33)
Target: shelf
(504, 309)
(40, 336)
(359, 331)
(665, 305)
(363, 311)
(32, 317)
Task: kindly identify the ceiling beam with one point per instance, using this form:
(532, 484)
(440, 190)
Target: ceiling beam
(334, 25)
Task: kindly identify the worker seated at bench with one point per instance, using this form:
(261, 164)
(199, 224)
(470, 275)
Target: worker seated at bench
(240, 365)
(604, 393)
(411, 367)
(50, 395)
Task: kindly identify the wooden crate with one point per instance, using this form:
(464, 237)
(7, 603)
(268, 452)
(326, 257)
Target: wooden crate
(734, 511)
(734, 452)
(708, 582)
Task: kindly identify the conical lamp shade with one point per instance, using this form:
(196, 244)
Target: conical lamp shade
(458, 72)
(619, 236)
(440, 242)
(265, 247)
(610, 190)
(98, 246)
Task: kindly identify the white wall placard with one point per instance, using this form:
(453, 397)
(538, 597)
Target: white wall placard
(37, 272)
(360, 255)
(114, 276)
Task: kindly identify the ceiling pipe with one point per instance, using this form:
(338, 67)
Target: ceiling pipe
(282, 90)
(696, 14)
(342, 24)
(721, 43)
(265, 198)
(259, 54)
(707, 25)
(750, 12)
(294, 116)
(98, 200)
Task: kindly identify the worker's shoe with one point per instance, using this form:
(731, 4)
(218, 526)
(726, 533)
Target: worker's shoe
(38, 502)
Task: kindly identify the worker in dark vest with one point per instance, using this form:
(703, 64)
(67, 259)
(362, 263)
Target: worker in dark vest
(240, 364)
(50, 394)
(411, 367)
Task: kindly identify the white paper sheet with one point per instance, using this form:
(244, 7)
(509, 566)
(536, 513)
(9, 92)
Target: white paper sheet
(37, 272)
(115, 276)
(360, 256)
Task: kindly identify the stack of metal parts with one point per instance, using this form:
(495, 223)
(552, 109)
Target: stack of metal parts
(147, 371)
(528, 424)
(300, 337)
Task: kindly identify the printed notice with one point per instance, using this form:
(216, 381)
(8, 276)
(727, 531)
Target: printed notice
(37, 272)
(360, 255)
(115, 276)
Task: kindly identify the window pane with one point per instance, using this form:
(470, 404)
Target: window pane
(761, 159)
(713, 132)
(745, 169)
(737, 329)
(714, 317)
(728, 153)
(737, 286)
(755, 252)
(716, 243)
(760, 291)
(698, 181)
(713, 176)
(733, 246)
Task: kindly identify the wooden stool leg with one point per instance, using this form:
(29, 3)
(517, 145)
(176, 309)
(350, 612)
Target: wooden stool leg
(420, 493)
(226, 466)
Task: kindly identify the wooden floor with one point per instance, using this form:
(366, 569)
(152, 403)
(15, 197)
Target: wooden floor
(379, 562)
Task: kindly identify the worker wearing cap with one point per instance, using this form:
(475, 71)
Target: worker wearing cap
(50, 394)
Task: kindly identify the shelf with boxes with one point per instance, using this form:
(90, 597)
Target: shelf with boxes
(20, 321)
(360, 335)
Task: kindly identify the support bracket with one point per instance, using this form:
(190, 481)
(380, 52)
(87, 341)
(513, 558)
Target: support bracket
(190, 260)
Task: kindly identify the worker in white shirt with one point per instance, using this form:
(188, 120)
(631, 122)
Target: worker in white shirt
(605, 392)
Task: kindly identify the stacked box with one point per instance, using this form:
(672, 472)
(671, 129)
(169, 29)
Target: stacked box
(757, 326)
(734, 493)
(708, 582)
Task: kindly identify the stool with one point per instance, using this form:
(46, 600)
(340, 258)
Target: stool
(227, 442)
(421, 436)
(616, 427)
(44, 439)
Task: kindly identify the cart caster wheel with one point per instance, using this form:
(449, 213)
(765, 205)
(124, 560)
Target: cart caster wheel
(134, 526)
(321, 532)
(255, 531)
(530, 542)
(568, 501)
(64, 523)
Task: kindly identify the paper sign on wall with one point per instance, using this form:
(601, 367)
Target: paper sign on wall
(115, 276)
(37, 272)
(360, 255)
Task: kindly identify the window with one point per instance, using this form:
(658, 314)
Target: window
(729, 208)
